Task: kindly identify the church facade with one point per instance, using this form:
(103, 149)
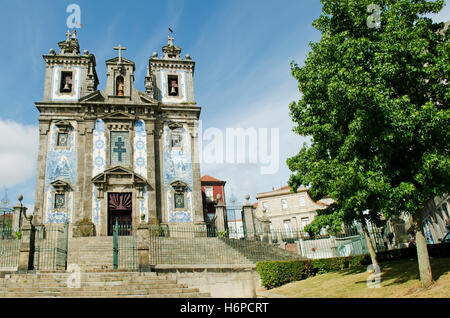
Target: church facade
(118, 155)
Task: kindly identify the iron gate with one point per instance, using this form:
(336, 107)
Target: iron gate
(51, 242)
(124, 247)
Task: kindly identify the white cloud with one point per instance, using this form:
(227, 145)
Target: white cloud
(18, 152)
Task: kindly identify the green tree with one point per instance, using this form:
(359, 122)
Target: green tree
(374, 99)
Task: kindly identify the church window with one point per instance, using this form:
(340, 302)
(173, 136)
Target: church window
(60, 201)
(66, 82)
(120, 86)
(176, 140)
(173, 87)
(179, 201)
(62, 139)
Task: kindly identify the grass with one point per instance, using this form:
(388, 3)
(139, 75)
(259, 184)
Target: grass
(398, 279)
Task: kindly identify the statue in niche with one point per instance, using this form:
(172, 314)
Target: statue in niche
(120, 87)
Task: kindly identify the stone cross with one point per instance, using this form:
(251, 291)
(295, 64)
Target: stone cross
(68, 34)
(120, 48)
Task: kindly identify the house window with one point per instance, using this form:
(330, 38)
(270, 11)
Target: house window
(60, 201)
(301, 200)
(66, 82)
(173, 86)
(284, 204)
(305, 222)
(62, 139)
(179, 201)
(288, 228)
(209, 193)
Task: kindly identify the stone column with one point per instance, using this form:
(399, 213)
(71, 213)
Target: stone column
(26, 251)
(221, 221)
(143, 237)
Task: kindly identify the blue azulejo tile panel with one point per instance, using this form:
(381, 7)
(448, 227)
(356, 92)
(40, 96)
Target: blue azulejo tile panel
(61, 164)
(120, 148)
(140, 149)
(177, 166)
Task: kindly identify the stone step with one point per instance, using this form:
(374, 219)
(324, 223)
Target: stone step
(58, 295)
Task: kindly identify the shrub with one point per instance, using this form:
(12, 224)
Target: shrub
(277, 273)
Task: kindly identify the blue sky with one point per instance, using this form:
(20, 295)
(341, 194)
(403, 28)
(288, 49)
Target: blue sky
(242, 78)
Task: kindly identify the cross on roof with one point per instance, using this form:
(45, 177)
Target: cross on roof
(120, 48)
(68, 34)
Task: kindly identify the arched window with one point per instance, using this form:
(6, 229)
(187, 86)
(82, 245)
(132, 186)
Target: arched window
(120, 87)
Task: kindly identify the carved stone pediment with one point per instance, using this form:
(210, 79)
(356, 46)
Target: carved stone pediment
(61, 186)
(119, 176)
(179, 186)
(119, 121)
(175, 125)
(63, 125)
(93, 97)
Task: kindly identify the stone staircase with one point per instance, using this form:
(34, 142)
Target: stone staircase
(91, 253)
(256, 251)
(105, 284)
(213, 250)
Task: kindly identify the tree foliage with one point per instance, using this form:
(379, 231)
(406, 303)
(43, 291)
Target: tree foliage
(375, 102)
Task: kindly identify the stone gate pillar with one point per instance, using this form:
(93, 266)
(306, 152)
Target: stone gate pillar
(143, 237)
(221, 221)
(248, 218)
(26, 251)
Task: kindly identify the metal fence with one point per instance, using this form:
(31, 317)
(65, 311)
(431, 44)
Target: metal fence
(124, 247)
(51, 243)
(9, 248)
(177, 244)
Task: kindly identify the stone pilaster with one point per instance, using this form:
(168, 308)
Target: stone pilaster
(86, 154)
(151, 169)
(44, 128)
(197, 191)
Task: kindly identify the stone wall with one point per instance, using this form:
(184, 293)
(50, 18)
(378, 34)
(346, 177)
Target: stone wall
(221, 281)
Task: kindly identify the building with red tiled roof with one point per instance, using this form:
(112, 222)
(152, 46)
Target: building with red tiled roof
(211, 187)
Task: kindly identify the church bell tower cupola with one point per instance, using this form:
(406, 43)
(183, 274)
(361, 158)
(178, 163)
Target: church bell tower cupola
(70, 75)
(172, 75)
(120, 73)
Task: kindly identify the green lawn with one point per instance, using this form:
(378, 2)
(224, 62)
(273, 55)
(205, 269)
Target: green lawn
(398, 279)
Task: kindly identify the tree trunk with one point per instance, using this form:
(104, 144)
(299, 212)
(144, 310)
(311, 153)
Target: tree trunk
(423, 259)
(373, 254)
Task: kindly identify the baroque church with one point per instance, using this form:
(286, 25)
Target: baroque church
(118, 155)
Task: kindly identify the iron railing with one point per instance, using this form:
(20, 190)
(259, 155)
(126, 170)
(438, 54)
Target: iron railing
(9, 247)
(51, 243)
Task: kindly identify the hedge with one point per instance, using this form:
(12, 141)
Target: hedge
(277, 273)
